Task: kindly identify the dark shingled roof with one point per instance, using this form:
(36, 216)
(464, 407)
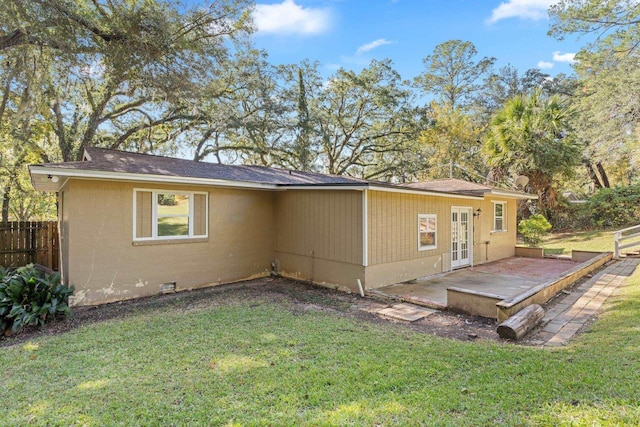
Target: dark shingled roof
(98, 159)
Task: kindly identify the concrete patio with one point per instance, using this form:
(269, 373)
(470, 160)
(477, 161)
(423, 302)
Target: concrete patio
(503, 279)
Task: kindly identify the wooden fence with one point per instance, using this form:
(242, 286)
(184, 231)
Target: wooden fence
(24, 242)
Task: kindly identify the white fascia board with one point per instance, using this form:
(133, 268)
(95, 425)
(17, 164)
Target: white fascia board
(120, 176)
(424, 192)
(323, 187)
(521, 196)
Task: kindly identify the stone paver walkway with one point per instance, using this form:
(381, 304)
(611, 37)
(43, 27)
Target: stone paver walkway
(566, 317)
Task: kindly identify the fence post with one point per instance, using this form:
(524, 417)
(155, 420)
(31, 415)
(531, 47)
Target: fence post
(617, 236)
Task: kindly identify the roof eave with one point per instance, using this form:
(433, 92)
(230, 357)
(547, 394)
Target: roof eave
(408, 190)
(47, 177)
(324, 186)
(52, 179)
(513, 194)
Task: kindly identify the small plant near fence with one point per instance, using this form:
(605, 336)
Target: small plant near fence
(30, 296)
(533, 229)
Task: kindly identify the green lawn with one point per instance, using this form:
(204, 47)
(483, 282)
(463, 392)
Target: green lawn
(261, 362)
(601, 241)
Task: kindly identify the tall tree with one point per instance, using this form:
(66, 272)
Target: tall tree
(531, 136)
(453, 76)
(302, 146)
(248, 114)
(608, 87)
(117, 73)
(122, 66)
(359, 116)
(452, 141)
(25, 136)
(608, 120)
(498, 87)
(613, 22)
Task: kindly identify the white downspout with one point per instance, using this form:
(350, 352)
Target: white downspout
(365, 238)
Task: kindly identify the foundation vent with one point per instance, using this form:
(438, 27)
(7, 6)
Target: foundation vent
(168, 287)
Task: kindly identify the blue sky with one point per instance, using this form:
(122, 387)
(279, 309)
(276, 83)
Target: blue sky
(350, 33)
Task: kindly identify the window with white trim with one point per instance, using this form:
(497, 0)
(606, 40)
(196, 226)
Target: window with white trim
(499, 216)
(427, 231)
(166, 215)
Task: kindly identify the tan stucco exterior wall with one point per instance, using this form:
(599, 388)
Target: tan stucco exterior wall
(314, 235)
(502, 244)
(105, 265)
(319, 236)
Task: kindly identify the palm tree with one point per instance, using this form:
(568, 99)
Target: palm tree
(531, 136)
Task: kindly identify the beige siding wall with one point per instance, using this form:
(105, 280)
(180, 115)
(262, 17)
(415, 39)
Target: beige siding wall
(393, 236)
(393, 253)
(393, 225)
(105, 265)
(319, 236)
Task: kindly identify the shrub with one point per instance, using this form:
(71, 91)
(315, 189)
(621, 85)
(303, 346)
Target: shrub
(533, 229)
(30, 296)
(616, 207)
(571, 216)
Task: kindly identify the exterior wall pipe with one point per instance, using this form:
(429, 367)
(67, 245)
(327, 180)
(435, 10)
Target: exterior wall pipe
(360, 287)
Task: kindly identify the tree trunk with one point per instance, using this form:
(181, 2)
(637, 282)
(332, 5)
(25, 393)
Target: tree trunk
(603, 175)
(518, 325)
(6, 198)
(592, 174)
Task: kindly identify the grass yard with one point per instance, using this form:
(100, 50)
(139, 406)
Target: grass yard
(244, 359)
(601, 241)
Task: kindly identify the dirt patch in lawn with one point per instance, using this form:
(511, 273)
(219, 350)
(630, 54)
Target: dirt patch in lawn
(297, 297)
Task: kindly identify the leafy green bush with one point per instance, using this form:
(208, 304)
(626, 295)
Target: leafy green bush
(30, 296)
(533, 229)
(571, 216)
(615, 207)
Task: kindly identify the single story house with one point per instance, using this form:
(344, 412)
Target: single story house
(133, 225)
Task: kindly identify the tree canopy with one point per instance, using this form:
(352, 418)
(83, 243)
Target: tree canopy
(160, 76)
(452, 73)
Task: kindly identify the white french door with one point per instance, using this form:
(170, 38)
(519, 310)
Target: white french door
(461, 236)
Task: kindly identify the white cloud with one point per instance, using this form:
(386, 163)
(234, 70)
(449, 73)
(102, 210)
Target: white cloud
(543, 65)
(524, 9)
(289, 18)
(569, 58)
(370, 46)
